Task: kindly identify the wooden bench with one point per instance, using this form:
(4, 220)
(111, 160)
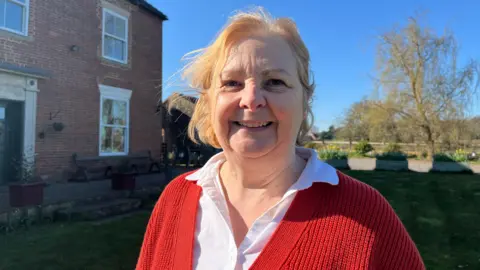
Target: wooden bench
(143, 159)
(87, 166)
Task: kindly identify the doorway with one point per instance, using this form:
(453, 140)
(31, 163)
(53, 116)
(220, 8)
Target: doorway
(11, 137)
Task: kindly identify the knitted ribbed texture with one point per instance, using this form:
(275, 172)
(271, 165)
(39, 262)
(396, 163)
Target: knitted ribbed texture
(348, 226)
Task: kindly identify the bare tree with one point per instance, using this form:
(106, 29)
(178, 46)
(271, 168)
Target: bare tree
(419, 74)
(354, 123)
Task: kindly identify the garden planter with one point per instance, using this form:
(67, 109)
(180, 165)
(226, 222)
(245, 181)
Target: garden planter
(26, 194)
(338, 163)
(123, 181)
(362, 164)
(440, 166)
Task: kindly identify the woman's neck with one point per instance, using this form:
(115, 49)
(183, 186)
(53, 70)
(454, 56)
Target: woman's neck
(270, 175)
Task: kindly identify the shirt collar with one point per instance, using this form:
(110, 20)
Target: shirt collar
(315, 171)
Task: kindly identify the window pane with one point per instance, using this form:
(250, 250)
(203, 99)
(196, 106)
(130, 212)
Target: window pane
(109, 23)
(108, 47)
(120, 113)
(2, 13)
(119, 50)
(118, 140)
(14, 16)
(120, 27)
(106, 139)
(107, 115)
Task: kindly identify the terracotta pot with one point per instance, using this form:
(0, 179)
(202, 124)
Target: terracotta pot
(26, 194)
(123, 181)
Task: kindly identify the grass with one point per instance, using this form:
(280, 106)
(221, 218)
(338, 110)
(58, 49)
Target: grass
(112, 245)
(440, 212)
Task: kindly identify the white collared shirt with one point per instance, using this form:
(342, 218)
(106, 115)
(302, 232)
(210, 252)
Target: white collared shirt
(215, 246)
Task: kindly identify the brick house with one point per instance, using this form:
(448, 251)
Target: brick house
(92, 67)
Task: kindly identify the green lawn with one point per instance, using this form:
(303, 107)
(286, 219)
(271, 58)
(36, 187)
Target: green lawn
(441, 212)
(113, 245)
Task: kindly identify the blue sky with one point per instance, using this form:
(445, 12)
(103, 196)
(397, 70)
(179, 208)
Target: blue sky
(339, 34)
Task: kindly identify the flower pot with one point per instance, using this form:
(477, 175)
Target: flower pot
(26, 194)
(338, 163)
(123, 181)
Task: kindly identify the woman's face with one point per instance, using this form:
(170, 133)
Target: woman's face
(258, 99)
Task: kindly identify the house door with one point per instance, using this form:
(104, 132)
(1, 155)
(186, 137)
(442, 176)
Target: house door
(11, 120)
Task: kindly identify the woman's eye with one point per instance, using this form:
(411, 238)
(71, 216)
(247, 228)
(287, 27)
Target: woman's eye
(275, 82)
(231, 84)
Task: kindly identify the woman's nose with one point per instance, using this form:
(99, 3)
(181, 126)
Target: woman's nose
(252, 97)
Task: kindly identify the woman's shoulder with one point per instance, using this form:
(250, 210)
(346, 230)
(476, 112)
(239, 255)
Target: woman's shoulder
(358, 200)
(366, 195)
(178, 185)
(174, 192)
(361, 212)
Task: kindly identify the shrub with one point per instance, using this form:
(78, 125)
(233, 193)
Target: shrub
(326, 154)
(354, 154)
(311, 145)
(424, 154)
(392, 148)
(363, 148)
(443, 157)
(397, 156)
(333, 147)
(460, 155)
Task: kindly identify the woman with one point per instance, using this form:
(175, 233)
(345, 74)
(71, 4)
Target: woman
(264, 203)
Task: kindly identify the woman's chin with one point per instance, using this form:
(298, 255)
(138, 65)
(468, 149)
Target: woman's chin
(252, 149)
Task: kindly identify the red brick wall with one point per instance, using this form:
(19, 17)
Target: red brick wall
(72, 90)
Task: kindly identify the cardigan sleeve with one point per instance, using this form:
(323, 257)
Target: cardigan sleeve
(393, 248)
(152, 233)
(160, 231)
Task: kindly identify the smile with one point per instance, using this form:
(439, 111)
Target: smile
(252, 124)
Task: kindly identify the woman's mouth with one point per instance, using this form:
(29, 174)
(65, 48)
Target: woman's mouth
(253, 124)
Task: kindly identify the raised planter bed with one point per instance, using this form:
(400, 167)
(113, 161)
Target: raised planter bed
(362, 164)
(28, 194)
(423, 166)
(451, 167)
(338, 163)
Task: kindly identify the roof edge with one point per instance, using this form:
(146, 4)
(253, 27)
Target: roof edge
(149, 8)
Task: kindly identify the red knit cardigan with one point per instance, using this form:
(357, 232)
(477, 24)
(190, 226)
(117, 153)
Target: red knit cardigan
(348, 226)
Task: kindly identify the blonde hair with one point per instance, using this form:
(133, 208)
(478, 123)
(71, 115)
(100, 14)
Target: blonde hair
(206, 62)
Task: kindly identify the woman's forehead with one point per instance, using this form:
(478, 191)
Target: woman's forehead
(257, 54)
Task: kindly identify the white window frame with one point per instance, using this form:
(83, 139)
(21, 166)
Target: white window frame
(104, 33)
(120, 94)
(26, 15)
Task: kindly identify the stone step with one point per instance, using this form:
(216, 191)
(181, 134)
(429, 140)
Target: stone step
(99, 210)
